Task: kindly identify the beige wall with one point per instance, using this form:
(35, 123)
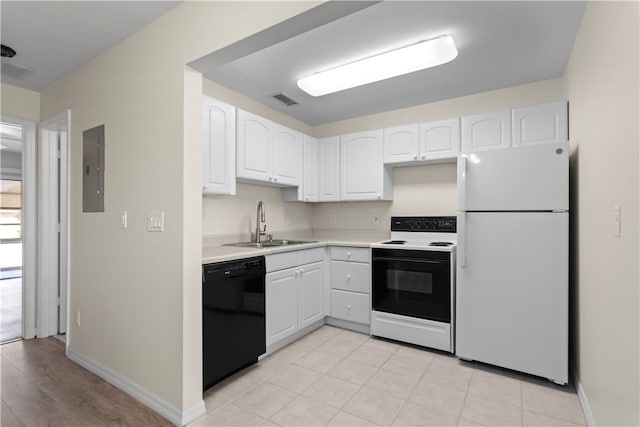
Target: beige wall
(19, 103)
(234, 215)
(601, 82)
(133, 287)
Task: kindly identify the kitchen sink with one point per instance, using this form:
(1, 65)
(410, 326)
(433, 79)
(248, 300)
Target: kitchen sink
(270, 243)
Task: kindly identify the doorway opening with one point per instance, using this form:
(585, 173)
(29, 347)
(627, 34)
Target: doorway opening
(11, 231)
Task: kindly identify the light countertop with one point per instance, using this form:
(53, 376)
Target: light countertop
(212, 254)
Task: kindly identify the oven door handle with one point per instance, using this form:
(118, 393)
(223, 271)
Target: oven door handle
(423, 261)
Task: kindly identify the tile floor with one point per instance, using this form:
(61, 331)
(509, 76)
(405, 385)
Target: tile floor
(337, 377)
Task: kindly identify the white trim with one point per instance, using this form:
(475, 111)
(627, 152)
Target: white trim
(53, 256)
(29, 231)
(584, 402)
(168, 410)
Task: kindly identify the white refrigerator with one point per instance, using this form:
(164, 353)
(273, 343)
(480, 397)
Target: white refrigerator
(513, 259)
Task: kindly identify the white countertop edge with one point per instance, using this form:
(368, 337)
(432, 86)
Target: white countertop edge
(211, 254)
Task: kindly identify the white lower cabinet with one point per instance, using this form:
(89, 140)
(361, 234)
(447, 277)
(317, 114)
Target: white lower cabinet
(351, 306)
(351, 284)
(311, 294)
(294, 288)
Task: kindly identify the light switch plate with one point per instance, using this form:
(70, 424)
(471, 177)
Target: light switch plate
(155, 221)
(123, 219)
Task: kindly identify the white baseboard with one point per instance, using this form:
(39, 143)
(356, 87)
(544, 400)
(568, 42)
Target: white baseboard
(176, 415)
(584, 402)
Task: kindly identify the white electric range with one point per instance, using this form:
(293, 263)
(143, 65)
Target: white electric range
(413, 282)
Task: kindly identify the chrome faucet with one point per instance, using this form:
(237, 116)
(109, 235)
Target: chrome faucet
(260, 218)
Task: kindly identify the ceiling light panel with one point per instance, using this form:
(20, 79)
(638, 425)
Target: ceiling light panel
(394, 63)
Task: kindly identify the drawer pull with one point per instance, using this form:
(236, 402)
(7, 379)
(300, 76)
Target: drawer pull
(348, 306)
(349, 254)
(348, 277)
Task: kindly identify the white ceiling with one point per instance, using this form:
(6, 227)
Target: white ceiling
(500, 44)
(56, 37)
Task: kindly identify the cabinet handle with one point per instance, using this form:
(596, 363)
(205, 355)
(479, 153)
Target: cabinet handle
(423, 157)
(301, 270)
(275, 179)
(348, 277)
(349, 254)
(348, 306)
(415, 157)
(270, 178)
(306, 198)
(379, 196)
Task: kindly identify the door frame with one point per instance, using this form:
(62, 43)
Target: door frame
(29, 231)
(53, 236)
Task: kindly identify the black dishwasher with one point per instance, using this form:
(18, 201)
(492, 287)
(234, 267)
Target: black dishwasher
(233, 321)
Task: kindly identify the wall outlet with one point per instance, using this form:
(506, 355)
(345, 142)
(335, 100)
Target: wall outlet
(77, 319)
(123, 219)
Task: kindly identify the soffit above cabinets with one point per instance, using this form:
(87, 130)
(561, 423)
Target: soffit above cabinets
(500, 44)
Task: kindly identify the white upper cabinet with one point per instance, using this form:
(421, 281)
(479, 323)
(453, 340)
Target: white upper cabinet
(540, 124)
(488, 131)
(401, 144)
(363, 175)
(440, 140)
(308, 190)
(219, 155)
(329, 169)
(432, 142)
(286, 155)
(267, 152)
(254, 147)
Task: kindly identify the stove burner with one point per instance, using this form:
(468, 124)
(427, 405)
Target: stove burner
(395, 242)
(440, 244)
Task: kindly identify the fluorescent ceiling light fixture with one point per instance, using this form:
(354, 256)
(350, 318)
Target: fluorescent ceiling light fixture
(394, 63)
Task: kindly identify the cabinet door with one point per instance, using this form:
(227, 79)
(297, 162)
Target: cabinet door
(311, 301)
(401, 144)
(219, 169)
(329, 169)
(540, 124)
(310, 169)
(281, 304)
(361, 166)
(254, 142)
(489, 131)
(286, 156)
(440, 140)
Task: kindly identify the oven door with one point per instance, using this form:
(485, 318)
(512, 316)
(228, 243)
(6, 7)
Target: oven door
(412, 283)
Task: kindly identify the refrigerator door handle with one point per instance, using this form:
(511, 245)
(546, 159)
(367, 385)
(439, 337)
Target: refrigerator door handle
(462, 182)
(462, 239)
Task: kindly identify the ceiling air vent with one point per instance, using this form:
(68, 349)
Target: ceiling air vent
(14, 70)
(285, 99)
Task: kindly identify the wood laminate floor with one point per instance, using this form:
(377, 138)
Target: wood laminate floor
(40, 386)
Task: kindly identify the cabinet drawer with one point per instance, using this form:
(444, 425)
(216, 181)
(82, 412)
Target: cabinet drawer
(351, 276)
(345, 253)
(281, 261)
(350, 306)
(307, 256)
